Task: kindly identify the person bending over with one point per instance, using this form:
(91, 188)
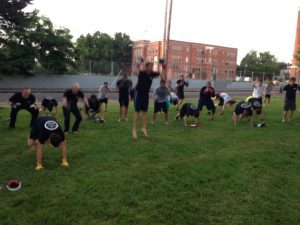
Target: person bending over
(256, 107)
(242, 110)
(187, 110)
(224, 99)
(23, 100)
(47, 129)
(93, 107)
(49, 103)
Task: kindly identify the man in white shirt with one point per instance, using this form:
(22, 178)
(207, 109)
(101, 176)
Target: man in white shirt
(224, 99)
(258, 90)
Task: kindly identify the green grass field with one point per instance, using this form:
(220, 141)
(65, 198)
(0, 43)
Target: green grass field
(215, 174)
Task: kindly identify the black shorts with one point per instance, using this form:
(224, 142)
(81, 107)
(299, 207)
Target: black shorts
(33, 133)
(141, 102)
(160, 106)
(289, 104)
(180, 95)
(267, 96)
(124, 101)
(208, 103)
(103, 100)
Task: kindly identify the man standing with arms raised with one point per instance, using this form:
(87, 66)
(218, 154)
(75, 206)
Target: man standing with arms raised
(70, 100)
(141, 94)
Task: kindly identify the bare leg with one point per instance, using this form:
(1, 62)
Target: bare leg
(120, 114)
(284, 116)
(135, 119)
(291, 115)
(39, 154)
(101, 112)
(166, 118)
(125, 113)
(144, 124)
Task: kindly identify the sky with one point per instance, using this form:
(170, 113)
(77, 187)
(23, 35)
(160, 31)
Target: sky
(262, 25)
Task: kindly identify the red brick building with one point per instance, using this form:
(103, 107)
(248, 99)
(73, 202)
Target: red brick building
(294, 68)
(200, 61)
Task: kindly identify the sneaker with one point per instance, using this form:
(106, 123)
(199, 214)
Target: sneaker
(102, 121)
(177, 117)
(126, 119)
(64, 163)
(283, 120)
(119, 120)
(39, 166)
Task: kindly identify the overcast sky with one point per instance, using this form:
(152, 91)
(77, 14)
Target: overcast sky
(263, 25)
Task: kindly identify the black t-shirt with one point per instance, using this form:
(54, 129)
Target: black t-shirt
(44, 127)
(49, 102)
(73, 98)
(144, 82)
(207, 93)
(17, 98)
(180, 85)
(240, 107)
(188, 109)
(124, 87)
(94, 104)
(291, 91)
(254, 103)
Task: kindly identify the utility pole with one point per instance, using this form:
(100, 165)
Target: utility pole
(165, 30)
(168, 35)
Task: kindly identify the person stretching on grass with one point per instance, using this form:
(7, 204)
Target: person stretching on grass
(290, 99)
(180, 84)
(206, 94)
(187, 110)
(49, 103)
(255, 105)
(242, 110)
(161, 94)
(224, 99)
(124, 86)
(141, 95)
(47, 129)
(93, 107)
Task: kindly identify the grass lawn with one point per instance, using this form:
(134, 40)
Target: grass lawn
(215, 174)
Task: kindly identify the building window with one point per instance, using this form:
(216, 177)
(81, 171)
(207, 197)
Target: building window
(176, 49)
(176, 58)
(187, 59)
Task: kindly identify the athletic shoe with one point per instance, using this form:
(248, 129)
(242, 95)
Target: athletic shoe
(102, 121)
(283, 120)
(39, 166)
(119, 120)
(126, 119)
(64, 163)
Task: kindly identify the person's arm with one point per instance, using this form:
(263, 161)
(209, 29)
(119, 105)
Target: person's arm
(65, 102)
(163, 73)
(234, 119)
(63, 149)
(250, 121)
(185, 120)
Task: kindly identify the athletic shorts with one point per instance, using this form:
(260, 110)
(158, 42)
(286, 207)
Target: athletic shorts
(124, 101)
(141, 102)
(267, 96)
(160, 106)
(103, 100)
(33, 132)
(208, 103)
(180, 95)
(289, 104)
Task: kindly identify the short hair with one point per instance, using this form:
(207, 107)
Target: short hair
(259, 79)
(162, 81)
(93, 96)
(55, 139)
(76, 84)
(208, 82)
(105, 82)
(293, 79)
(197, 113)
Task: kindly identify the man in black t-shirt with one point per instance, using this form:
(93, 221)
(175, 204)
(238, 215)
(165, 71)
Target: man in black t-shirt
(242, 110)
(141, 95)
(45, 129)
(206, 94)
(23, 100)
(180, 84)
(93, 106)
(256, 106)
(70, 99)
(49, 103)
(290, 99)
(187, 110)
(124, 86)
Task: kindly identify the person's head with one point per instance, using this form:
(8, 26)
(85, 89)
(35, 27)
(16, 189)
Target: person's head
(162, 83)
(259, 80)
(245, 113)
(182, 77)
(218, 95)
(105, 84)
(258, 111)
(55, 140)
(292, 80)
(93, 98)
(208, 84)
(26, 92)
(75, 88)
(149, 67)
(169, 82)
(197, 113)
(125, 76)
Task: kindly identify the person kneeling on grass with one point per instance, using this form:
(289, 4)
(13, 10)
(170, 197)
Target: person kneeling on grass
(93, 107)
(224, 99)
(161, 94)
(242, 110)
(47, 129)
(187, 110)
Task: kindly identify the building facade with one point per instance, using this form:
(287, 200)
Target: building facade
(294, 71)
(199, 61)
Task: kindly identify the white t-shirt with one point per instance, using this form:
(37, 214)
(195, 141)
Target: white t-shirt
(258, 90)
(226, 97)
(103, 92)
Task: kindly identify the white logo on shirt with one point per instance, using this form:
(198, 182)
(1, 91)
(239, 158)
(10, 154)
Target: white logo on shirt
(51, 125)
(245, 106)
(257, 104)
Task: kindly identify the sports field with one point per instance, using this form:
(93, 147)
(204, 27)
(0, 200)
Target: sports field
(215, 174)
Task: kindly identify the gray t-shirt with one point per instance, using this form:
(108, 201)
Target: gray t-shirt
(161, 94)
(103, 92)
(269, 88)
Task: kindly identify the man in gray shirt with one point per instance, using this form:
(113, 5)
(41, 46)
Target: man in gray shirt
(161, 94)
